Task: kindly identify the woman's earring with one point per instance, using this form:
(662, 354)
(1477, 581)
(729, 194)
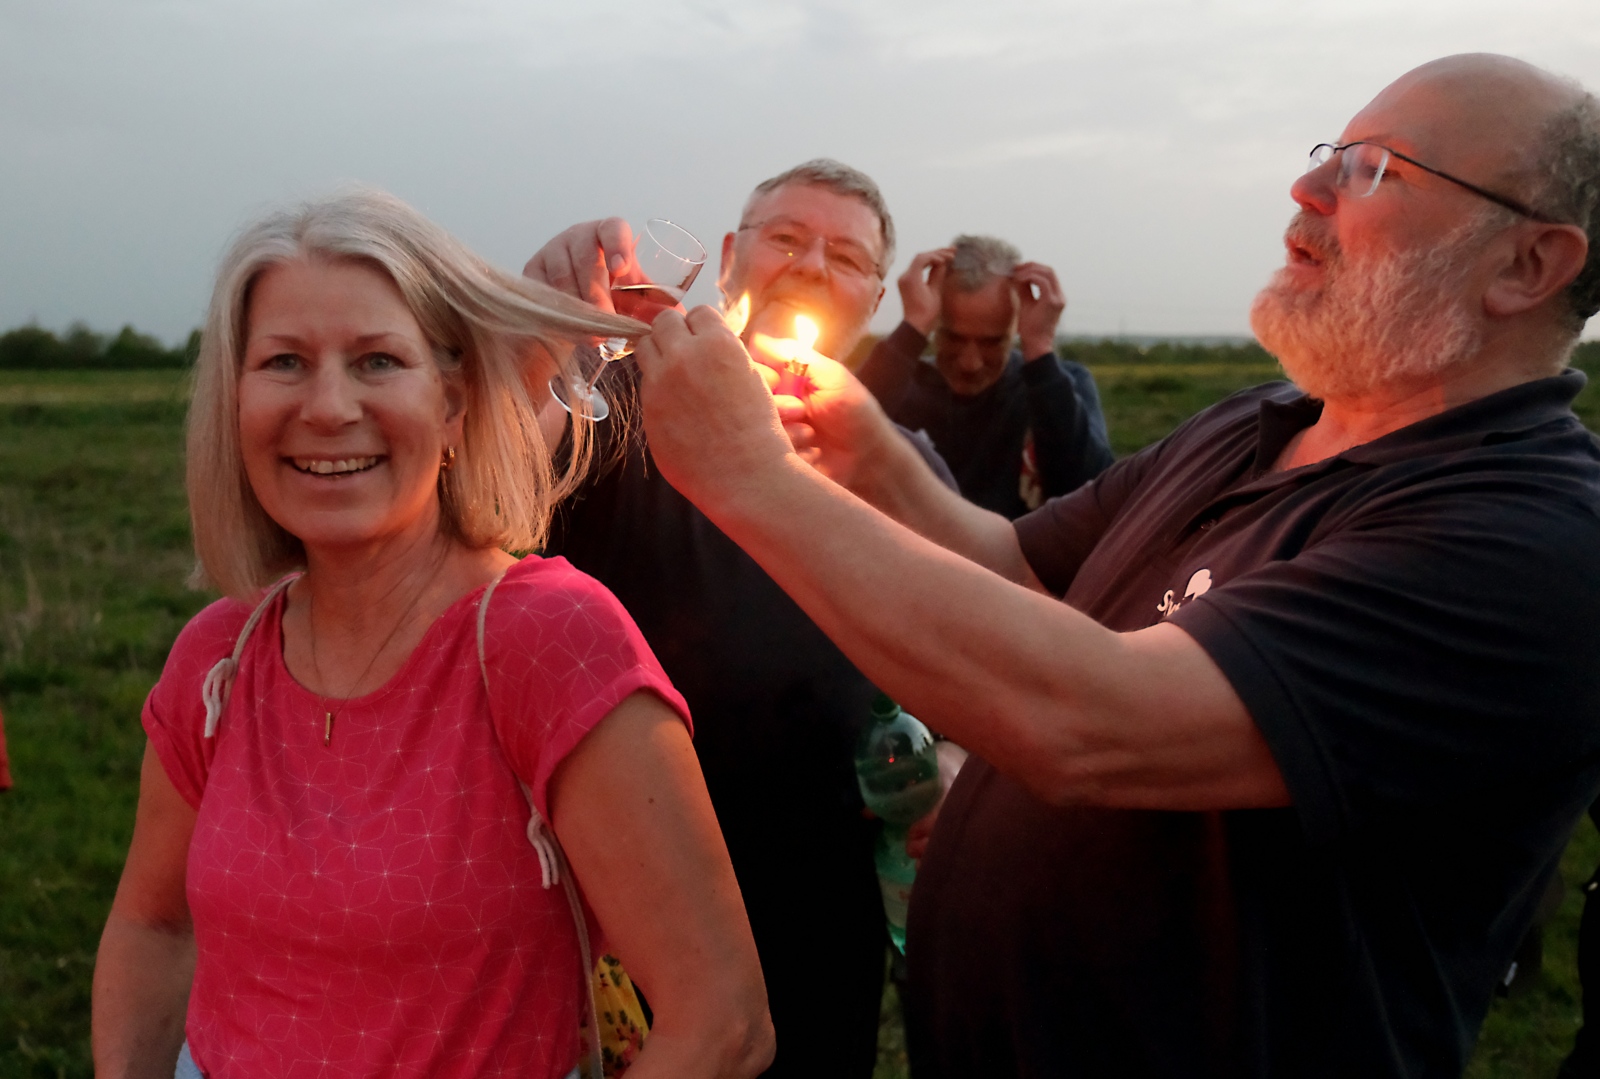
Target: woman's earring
(448, 459)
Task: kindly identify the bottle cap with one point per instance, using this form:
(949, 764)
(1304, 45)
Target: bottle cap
(884, 709)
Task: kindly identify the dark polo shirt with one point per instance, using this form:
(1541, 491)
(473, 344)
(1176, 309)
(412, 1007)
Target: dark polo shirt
(1414, 626)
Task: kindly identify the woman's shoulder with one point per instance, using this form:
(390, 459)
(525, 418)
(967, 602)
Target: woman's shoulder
(554, 570)
(548, 614)
(174, 714)
(211, 634)
(538, 586)
(560, 654)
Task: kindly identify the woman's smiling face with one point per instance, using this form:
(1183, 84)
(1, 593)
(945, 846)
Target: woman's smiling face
(343, 411)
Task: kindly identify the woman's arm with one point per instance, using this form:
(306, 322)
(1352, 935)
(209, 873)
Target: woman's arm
(146, 958)
(631, 810)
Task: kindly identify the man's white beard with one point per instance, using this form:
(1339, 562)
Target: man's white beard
(1379, 323)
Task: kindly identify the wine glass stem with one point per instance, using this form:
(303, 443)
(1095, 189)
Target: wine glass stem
(609, 353)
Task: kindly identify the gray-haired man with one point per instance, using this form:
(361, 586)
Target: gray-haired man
(1016, 424)
(776, 706)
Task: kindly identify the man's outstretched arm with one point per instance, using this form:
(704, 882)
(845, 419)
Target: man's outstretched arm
(841, 429)
(1072, 710)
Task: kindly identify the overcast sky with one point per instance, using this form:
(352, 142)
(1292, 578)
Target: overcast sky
(1142, 147)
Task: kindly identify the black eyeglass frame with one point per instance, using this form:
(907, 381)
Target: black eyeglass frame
(1500, 200)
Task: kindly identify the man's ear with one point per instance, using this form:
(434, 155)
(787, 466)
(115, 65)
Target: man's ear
(879, 300)
(1545, 260)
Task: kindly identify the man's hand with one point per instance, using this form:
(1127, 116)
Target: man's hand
(587, 259)
(919, 288)
(708, 411)
(1037, 315)
(832, 420)
(583, 260)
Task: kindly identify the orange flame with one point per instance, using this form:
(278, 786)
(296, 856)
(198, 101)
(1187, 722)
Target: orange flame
(805, 332)
(796, 352)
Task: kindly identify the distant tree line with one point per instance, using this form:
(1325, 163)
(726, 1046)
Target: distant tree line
(1178, 351)
(1111, 350)
(35, 348)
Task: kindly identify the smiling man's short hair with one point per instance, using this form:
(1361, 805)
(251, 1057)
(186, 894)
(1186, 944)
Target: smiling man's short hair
(841, 179)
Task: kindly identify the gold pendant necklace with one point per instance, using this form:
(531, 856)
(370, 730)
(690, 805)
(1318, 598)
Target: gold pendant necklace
(329, 715)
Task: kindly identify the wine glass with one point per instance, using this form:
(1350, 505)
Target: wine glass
(666, 260)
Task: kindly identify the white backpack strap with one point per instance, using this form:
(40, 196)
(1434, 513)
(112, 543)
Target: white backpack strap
(219, 680)
(552, 862)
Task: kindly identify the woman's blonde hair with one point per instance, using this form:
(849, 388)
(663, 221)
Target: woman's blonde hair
(495, 335)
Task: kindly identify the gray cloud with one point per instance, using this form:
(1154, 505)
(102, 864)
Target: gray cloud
(1144, 148)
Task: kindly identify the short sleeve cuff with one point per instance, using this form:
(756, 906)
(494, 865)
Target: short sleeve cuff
(1294, 746)
(1055, 540)
(188, 786)
(589, 717)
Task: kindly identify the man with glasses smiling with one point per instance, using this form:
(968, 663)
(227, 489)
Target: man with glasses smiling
(1275, 790)
(776, 706)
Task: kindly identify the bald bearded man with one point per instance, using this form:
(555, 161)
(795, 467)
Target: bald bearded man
(1274, 791)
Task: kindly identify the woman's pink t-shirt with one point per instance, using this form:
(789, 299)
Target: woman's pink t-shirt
(373, 907)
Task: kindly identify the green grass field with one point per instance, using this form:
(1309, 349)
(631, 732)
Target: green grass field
(93, 555)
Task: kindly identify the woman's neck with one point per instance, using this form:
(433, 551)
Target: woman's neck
(356, 615)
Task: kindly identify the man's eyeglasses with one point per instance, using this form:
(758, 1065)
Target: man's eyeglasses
(792, 239)
(1362, 165)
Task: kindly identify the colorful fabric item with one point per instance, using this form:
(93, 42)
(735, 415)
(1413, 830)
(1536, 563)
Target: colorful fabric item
(373, 906)
(623, 1027)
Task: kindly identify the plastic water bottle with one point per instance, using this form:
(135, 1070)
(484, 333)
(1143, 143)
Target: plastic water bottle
(897, 768)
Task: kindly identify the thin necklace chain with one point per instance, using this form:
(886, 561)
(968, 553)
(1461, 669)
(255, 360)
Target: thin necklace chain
(329, 715)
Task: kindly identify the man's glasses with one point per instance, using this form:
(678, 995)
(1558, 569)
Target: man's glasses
(792, 239)
(1362, 165)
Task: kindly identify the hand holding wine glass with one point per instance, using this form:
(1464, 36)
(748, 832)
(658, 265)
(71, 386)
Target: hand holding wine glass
(666, 260)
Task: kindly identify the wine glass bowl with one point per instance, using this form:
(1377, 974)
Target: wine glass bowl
(665, 260)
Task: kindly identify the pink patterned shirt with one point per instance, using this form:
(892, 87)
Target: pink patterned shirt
(374, 907)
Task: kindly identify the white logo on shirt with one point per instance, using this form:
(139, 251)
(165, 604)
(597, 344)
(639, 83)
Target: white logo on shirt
(1199, 585)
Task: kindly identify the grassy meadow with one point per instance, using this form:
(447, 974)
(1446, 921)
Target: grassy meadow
(93, 555)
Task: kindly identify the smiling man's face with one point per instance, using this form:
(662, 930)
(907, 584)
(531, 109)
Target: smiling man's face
(805, 249)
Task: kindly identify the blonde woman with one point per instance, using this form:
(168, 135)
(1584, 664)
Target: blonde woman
(332, 843)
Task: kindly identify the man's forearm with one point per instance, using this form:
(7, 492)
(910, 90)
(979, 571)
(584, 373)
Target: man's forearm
(1068, 708)
(895, 480)
(909, 613)
(140, 997)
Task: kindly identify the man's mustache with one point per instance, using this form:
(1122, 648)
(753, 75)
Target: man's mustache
(1312, 236)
